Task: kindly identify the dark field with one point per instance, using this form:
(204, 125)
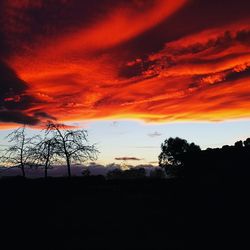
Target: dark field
(91, 213)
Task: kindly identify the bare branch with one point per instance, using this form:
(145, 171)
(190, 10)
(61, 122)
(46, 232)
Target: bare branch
(72, 145)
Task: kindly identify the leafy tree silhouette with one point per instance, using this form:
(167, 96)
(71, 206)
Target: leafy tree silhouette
(172, 153)
(247, 142)
(238, 144)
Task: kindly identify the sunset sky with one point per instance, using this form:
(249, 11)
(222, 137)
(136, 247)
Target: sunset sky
(132, 72)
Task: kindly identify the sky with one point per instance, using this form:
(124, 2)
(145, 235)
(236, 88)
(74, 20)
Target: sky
(133, 73)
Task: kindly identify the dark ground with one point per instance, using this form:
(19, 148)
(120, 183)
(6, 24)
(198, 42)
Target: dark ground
(92, 213)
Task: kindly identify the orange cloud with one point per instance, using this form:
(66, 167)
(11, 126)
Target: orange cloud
(92, 71)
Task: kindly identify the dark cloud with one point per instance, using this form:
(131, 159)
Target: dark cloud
(135, 68)
(13, 99)
(125, 158)
(10, 83)
(42, 114)
(114, 124)
(171, 53)
(221, 42)
(23, 22)
(155, 134)
(17, 117)
(232, 76)
(193, 17)
(20, 102)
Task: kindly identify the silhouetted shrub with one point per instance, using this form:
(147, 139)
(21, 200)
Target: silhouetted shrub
(114, 174)
(132, 173)
(86, 172)
(157, 173)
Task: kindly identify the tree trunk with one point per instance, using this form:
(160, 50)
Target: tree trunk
(23, 171)
(46, 168)
(68, 166)
(46, 172)
(47, 161)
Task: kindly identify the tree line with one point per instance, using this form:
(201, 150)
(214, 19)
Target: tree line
(177, 156)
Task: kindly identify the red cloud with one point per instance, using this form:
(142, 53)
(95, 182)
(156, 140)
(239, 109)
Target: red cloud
(92, 71)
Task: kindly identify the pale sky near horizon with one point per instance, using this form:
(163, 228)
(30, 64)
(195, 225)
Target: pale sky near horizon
(126, 138)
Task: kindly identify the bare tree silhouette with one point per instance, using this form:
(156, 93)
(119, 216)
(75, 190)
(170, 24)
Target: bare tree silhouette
(71, 144)
(19, 153)
(44, 153)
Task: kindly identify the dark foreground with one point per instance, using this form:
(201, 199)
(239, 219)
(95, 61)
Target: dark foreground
(91, 213)
(205, 212)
